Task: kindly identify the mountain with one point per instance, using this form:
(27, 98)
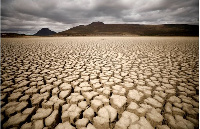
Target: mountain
(44, 32)
(9, 35)
(101, 29)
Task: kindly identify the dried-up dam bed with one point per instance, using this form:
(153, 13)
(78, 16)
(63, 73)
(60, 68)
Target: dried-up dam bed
(100, 83)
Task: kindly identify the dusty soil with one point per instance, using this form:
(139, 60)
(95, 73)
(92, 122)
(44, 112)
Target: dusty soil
(100, 83)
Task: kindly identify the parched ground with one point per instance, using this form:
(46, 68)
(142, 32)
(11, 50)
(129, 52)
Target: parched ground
(100, 83)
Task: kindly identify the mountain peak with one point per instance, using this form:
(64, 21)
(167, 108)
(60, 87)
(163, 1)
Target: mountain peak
(97, 23)
(45, 32)
(45, 29)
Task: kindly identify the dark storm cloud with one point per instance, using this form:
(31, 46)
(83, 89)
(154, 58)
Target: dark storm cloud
(28, 16)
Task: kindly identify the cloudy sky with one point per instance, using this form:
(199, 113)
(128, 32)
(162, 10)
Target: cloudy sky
(28, 16)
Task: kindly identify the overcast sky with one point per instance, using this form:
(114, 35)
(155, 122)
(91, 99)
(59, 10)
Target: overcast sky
(28, 16)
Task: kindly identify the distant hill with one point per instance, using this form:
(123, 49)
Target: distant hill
(10, 35)
(101, 29)
(45, 32)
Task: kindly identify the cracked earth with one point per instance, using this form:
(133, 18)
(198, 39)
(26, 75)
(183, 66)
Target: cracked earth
(100, 83)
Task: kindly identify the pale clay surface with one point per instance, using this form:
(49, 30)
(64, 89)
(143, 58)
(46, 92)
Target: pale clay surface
(100, 83)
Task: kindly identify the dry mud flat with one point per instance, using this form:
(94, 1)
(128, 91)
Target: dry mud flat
(100, 83)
